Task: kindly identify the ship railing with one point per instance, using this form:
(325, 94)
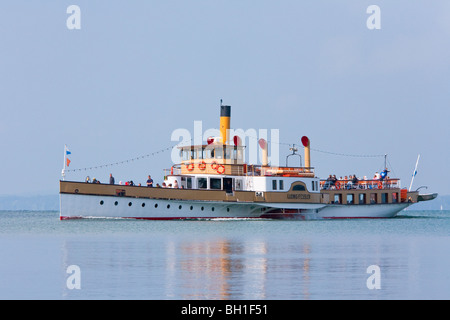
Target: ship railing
(361, 184)
(258, 170)
(174, 170)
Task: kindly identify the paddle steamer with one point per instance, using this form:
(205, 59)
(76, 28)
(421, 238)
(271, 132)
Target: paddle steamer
(214, 182)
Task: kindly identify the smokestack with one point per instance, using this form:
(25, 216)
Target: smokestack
(265, 152)
(306, 143)
(225, 114)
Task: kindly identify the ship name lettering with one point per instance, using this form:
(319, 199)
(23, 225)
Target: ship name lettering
(299, 196)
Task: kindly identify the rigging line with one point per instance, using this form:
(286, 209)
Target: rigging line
(350, 155)
(327, 152)
(128, 160)
(123, 161)
(193, 139)
(392, 169)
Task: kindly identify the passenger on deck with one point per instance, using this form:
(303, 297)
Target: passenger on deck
(334, 180)
(175, 184)
(383, 174)
(149, 181)
(349, 182)
(355, 181)
(328, 182)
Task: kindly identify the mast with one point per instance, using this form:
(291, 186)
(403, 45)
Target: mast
(414, 173)
(63, 173)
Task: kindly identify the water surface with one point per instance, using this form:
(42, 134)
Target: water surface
(224, 259)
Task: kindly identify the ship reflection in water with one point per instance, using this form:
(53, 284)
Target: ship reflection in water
(234, 269)
(191, 269)
(254, 267)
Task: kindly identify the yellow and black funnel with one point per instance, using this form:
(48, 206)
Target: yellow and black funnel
(225, 114)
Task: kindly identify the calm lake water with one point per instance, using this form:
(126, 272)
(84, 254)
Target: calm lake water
(224, 259)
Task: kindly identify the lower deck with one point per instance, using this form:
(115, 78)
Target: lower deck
(368, 196)
(292, 196)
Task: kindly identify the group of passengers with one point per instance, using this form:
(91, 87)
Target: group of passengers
(351, 181)
(348, 182)
(150, 184)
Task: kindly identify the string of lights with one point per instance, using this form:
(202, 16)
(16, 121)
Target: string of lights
(178, 144)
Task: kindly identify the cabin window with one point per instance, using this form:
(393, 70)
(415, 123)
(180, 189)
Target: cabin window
(185, 154)
(281, 184)
(299, 187)
(207, 154)
(350, 198)
(337, 198)
(362, 198)
(186, 182)
(215, 183)
(313, 186)
(239, 154)
(317, 185)
(196, 154)
(202, 183)
(218, 153)
(238, 183)
(228, 153)
(384, 198)
(394, 197)
(373, 198)
(274, 184)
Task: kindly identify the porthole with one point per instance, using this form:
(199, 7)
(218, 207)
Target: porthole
(212, 209)
(116, 203)
(156, 205)
(143, 204)
(191, 208)
(228, 209)
(168, 206)
(102, 202)
(202, 208)
(180, 206)
(130, 204)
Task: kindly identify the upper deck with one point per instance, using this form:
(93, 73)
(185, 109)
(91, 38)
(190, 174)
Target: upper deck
(225, 159)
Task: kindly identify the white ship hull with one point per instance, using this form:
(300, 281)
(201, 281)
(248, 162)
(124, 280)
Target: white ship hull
(75, 206)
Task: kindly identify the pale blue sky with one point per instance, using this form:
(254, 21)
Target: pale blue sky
(138, 70)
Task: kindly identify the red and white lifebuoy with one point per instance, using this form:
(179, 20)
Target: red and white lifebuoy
(190, 166)
(202, 165)
(221, 169)
(214, 165)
